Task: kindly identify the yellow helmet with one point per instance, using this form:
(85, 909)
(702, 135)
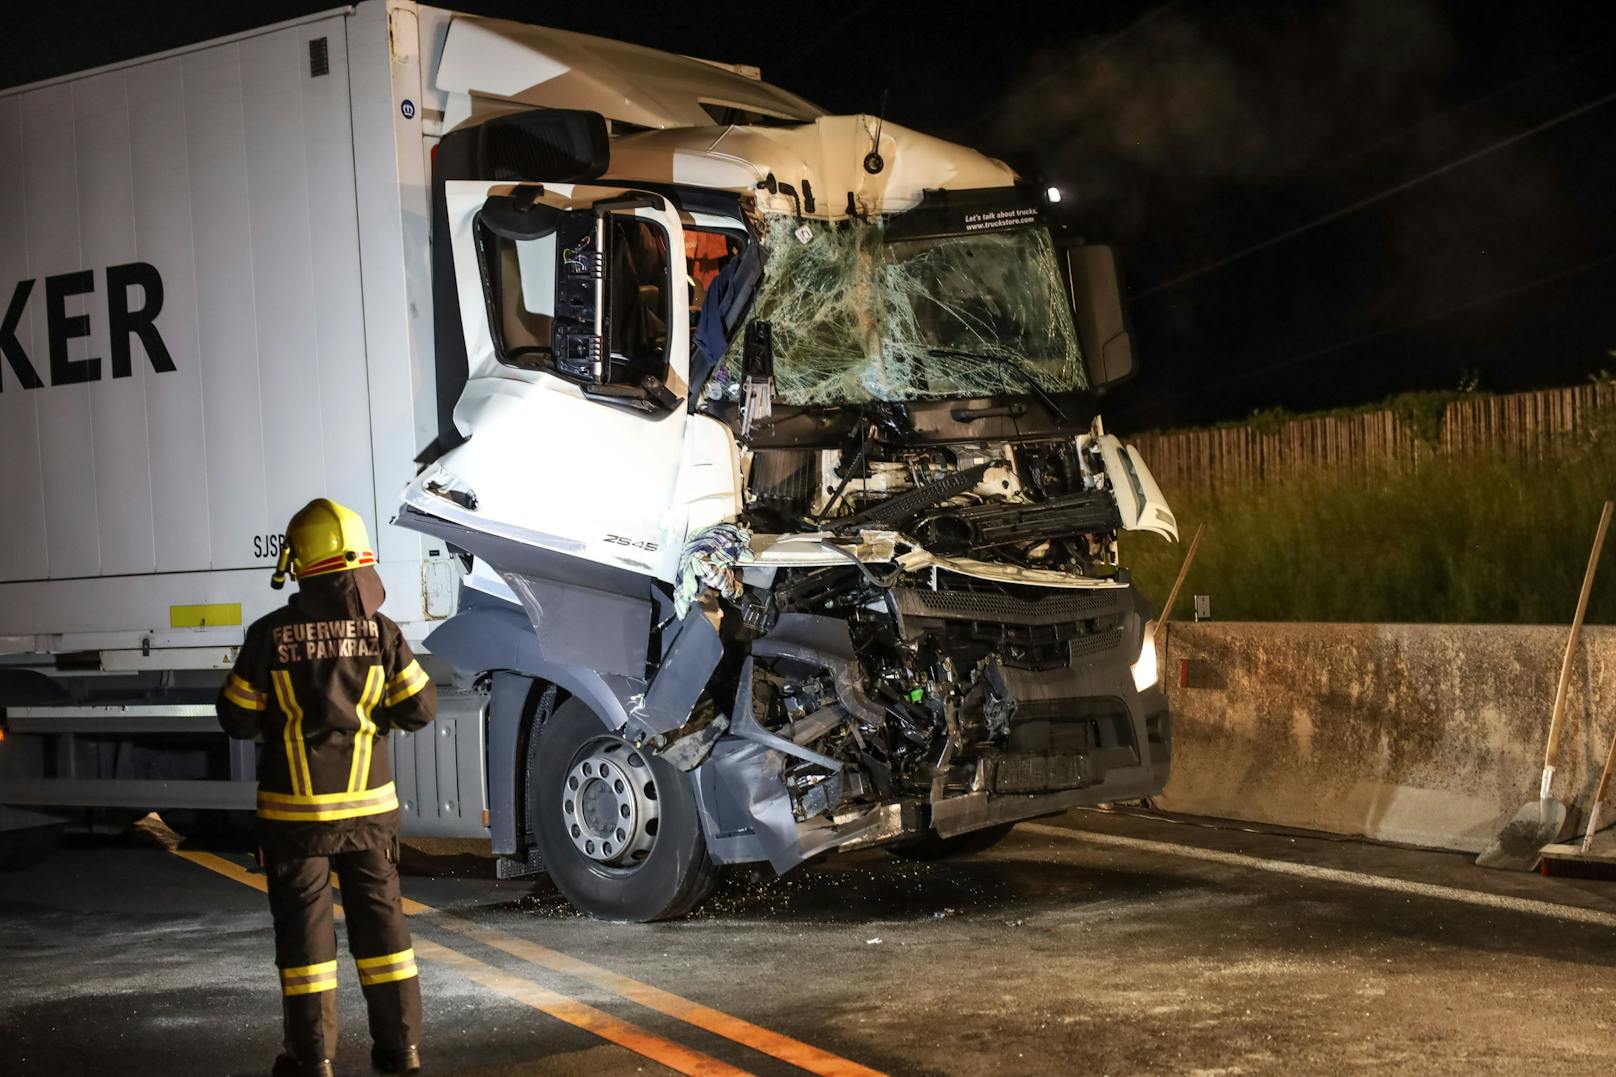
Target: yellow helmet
(324, 537)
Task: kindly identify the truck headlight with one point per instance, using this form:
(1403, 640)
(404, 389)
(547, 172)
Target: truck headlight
(1144, 669)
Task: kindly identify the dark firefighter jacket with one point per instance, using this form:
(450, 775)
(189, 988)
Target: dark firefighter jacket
(323, 681)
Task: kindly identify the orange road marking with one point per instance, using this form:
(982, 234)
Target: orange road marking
(649, 1045)
(675, 1056)
(774, 1044)
(228, 868)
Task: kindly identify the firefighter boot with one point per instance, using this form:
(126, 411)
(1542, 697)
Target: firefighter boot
(287, 1066)
(395, 1060)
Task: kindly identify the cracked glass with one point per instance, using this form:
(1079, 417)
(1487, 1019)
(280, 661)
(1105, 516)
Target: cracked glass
(857, 318)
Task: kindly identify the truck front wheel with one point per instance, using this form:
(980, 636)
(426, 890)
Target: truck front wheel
(617, 828)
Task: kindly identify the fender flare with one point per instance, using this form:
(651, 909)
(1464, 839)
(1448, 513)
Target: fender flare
(495, 636)
(498, 636)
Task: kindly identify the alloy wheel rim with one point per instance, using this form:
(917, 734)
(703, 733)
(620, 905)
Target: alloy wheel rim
(609, 804)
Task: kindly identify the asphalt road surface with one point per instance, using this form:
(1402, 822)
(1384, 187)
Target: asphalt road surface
(1096, 942)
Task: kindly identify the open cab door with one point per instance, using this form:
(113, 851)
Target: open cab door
(575, 314)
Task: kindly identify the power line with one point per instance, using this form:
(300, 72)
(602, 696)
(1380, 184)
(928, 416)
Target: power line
(1021, 91)
(1342, 345)
(1401, 133)
(1459, 162)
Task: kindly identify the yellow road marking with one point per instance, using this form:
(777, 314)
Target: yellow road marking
(774, 1044)
(675, 1056)
(228, 868)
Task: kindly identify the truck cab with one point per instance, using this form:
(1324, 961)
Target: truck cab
(737, 469)
(787, 515)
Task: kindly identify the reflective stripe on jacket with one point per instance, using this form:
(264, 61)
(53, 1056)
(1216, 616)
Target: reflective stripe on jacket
(322, 684)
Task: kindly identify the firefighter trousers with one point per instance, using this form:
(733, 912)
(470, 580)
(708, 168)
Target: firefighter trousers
(306, 949)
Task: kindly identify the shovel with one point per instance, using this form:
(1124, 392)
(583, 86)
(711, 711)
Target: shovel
(1520, 845)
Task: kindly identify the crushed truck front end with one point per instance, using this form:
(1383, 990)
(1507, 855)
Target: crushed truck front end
(993, 662)
(892, 692)
(788, 519)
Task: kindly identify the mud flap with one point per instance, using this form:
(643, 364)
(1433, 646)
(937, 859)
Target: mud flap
(439, 770)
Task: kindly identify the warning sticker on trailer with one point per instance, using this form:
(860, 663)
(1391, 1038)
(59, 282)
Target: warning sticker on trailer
(206, 615)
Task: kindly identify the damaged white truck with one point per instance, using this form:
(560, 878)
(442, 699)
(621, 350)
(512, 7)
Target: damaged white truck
(759, 509)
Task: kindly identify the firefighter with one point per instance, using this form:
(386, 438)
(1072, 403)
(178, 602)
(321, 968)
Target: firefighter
(322, 681)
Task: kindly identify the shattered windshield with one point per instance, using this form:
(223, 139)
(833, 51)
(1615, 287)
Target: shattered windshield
(857, 318)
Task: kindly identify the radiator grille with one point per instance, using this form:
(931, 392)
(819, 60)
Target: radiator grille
(785, 476)
(1096, 643)
(1062, 608)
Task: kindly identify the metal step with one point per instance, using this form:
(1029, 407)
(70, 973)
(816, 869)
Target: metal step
(130, 718)
(128, 793)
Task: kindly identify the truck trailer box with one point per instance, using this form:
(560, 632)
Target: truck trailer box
(217, 305)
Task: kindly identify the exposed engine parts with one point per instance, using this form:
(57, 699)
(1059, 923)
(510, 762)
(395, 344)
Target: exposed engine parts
(950, 683)
(1033, 504)
(976, 528)
(900, 510)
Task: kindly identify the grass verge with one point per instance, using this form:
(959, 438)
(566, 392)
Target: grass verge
(1476, 539)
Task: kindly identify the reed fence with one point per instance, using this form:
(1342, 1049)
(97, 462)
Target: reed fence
(1202, 461)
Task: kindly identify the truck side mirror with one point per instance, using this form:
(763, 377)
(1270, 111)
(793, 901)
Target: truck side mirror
(543, 144)
(518, 216)
(1102, 318)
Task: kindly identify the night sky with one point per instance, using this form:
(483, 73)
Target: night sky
(1318, 204)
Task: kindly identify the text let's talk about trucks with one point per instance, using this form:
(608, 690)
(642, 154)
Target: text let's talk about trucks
(736, 467)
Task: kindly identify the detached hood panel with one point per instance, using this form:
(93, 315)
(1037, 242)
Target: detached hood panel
(827, 155)
(538, 66)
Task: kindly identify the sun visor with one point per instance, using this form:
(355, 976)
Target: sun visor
(545, 145)
(952, 213)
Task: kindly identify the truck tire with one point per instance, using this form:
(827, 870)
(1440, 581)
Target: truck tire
(617, 829)
(933, 846)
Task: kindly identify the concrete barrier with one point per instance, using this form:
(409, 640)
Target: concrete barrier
(1426, 734)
